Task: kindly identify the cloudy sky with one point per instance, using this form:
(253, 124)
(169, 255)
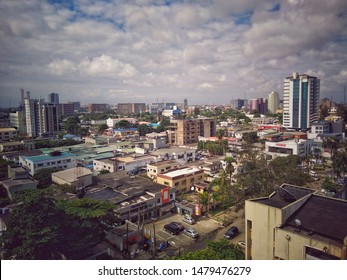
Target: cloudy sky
(208, 51)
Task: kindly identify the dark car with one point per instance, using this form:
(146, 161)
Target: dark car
(231, 233)
(173, 229)
(177, 224)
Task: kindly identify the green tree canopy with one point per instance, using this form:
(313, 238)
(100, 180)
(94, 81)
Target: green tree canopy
(42, 227)
(216, 250)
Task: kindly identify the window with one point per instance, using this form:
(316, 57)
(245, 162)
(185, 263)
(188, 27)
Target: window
(176, 184)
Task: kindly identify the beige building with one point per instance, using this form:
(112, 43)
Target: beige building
(293, 223)
(11, 146)
(7, 134)
(182, 132)
(160, 167)
(76, 177)
(182, 179)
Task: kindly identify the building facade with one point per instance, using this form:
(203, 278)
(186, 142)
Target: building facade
(61, 160)
(273, 102)
(293, 223)
(182, 132)
(182, 179)
(17, 120)
(7, 134)
(300, 101)
(131, 108)
(96, 108)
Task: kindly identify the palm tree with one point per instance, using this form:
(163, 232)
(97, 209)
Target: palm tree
(229, 168)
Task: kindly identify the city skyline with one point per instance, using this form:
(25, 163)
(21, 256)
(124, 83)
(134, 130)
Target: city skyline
(209, 52)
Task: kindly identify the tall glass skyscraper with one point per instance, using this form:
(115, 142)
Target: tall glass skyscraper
(300, 101)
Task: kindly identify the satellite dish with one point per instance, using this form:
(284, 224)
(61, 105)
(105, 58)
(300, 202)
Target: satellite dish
(297, 222)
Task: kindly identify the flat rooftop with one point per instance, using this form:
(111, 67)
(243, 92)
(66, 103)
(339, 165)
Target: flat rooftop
(72, 174)
(49, 157)
(171, 150)
(323, 216)
(180, 172)
(284, 195)
(164, 163)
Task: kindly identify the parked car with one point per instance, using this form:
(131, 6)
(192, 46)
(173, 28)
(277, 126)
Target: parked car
(171, 228)
(179, 225)
(191, 233)
(231, 232)
(188, 220)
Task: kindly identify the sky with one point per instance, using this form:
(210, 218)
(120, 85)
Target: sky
(208, 51)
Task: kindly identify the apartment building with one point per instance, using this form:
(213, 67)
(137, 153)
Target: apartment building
(96, 108)
(160, 167)
(7, 134)
(294, 223)
(131, 108)
(182, 132)
(182, 179)
(57, 159)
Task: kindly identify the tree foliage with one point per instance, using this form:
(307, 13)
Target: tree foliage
(44, 177)
(216, 250)
(42, 227)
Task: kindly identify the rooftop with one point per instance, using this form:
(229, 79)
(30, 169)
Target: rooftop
(323, 216)
(48, 157)
(180, 172)
(171, 150)
(285, 195)
(165, 163)
(72, 174)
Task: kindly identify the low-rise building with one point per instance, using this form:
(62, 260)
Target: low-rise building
(13, 187)
(77, 177)
(110, 165)
(56, 159)
(181, 155)
(294, 223)
(182, 179)
(136, 198)
(11, 146)
(160, 167)
(300, 147)
(7, 134)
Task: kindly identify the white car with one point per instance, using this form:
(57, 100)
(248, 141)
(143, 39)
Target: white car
(191, 233)
(189, 220)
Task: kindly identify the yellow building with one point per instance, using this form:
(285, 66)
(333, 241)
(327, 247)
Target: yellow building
(183, 179)
(293, 223)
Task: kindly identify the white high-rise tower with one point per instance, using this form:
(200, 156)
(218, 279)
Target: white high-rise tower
(273, 102)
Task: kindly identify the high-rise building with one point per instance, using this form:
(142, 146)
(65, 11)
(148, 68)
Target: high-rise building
(41, 118)
(300, 101)
(53, 98)
(66, 109)
(17, 121)
(131, 108)
(238, 103)
(96, 108)
(273, 102)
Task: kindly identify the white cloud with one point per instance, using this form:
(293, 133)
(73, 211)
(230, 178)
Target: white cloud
(130, 49)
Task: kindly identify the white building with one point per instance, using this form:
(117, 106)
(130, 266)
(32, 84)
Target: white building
(61, 160)
(181, 155)
(77, 177)
(112, 122)
(300, 147)
(7, 134)
(300, 101)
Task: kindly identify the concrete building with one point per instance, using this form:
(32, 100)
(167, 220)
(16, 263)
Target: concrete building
(181, 155)
(273, 102)
(159, 140)
(182, 132)
(11, 146)
(300, 147)
(7, 134)
(182, 179)
(66, 109)
(17, 121)
(62, 160)
(132, 164)
(136, 198)
(293, 223)
(41, 118)
(53, 98)
(160, 167)
(77, 177)
(300, 101)
(13, 187)
(131, 108)
(112, 122)
(110, 165)
(96, 108)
